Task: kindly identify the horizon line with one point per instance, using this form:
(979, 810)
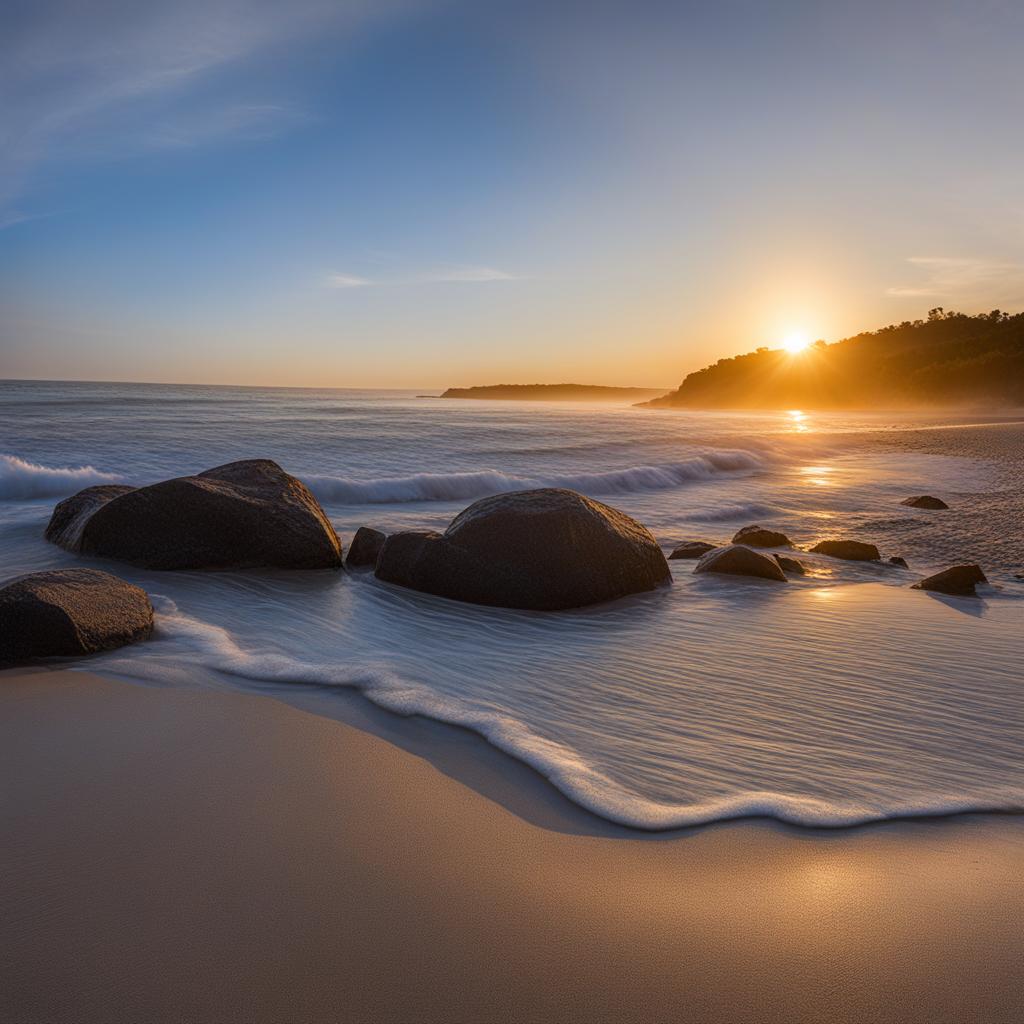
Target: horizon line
(311, 387)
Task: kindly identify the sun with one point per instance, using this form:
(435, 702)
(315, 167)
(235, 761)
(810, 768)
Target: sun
(795, 341)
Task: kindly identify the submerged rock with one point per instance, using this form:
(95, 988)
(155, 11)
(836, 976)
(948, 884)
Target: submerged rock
(958, 580)
(925, 501)
(759, 537)
(692, 549)
(897, 560)
(851, 550)
(242, 515)
(364, 549)
(70, 612)
(793, 565)
(545, 549)
(737, 560)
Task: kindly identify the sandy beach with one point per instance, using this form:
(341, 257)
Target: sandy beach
(182, 854)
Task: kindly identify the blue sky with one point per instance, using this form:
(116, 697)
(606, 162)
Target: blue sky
(416, 193)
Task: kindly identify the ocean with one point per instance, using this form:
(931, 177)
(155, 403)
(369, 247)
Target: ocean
(838, 698)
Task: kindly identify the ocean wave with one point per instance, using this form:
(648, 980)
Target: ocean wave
(481, 483)
(743, 510)
(215, 648)
(21, 480)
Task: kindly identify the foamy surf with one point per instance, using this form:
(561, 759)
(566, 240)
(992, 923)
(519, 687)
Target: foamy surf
(481, 483)
(566, 769)
(21, 480)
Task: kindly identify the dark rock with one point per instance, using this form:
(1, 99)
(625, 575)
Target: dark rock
(692, 549)
(792, 565)
(759, 537)
(70, 612)
(851, 550)
(71, 515)
(924, 501)
(546, 549)
(737, 560)
(897, 560)
(365, 548)
(958, 580)
(242, 515)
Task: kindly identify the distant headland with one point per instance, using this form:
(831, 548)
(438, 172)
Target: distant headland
(949, 359)
(554, 393)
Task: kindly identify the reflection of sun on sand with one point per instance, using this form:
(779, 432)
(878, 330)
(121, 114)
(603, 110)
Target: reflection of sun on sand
(175, 854)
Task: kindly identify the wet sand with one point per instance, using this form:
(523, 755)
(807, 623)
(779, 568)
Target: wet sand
(181, 854)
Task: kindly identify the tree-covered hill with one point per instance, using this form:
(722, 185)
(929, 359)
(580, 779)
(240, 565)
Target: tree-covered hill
(947, 360)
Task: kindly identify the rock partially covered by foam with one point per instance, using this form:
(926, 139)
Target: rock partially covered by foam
(958, 580)
(850, 550)
(243, 515)
(925, 501)
(365, 548)
(900, 561)
(692, 549)
(759, 537)
(737, 560)
(70, 516)
(70, 612)
(545, 549)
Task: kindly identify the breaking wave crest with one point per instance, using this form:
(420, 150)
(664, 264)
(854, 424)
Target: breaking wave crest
(479, 484)
(22, 481)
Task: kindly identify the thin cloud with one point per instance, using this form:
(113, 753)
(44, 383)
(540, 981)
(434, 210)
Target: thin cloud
(115, 76)
(466, 275)
(347, 281)
(962, 279)
(237, 122)
(454, 274)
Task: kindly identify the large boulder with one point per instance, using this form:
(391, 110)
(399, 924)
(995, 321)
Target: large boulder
(70, 612)
(958, 580)
(365, 548)
(759, 537)
(242, 515)
(737, 560)
(546, 549)
(851, 550)
(925, 501)
(692, 549)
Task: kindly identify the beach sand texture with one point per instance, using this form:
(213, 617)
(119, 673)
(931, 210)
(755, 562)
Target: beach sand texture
(173, 854)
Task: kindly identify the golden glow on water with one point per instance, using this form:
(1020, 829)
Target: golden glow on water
(798, 421)
(819, 477)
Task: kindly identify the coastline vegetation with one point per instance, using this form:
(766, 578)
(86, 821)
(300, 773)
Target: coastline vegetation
(948, 359)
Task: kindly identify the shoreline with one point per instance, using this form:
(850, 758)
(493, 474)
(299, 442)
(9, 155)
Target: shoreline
(157, 832)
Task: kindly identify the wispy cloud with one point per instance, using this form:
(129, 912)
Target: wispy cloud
(111, 76)
(959, 279)
(347, 281)
(456, 274)
(464, 274)
(235, 122)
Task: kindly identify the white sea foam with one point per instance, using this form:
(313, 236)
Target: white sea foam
(479, 484)
(566, 769)
(21, 480)
(826, 701)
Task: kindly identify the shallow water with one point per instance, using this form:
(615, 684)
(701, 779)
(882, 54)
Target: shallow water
(836, 698)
